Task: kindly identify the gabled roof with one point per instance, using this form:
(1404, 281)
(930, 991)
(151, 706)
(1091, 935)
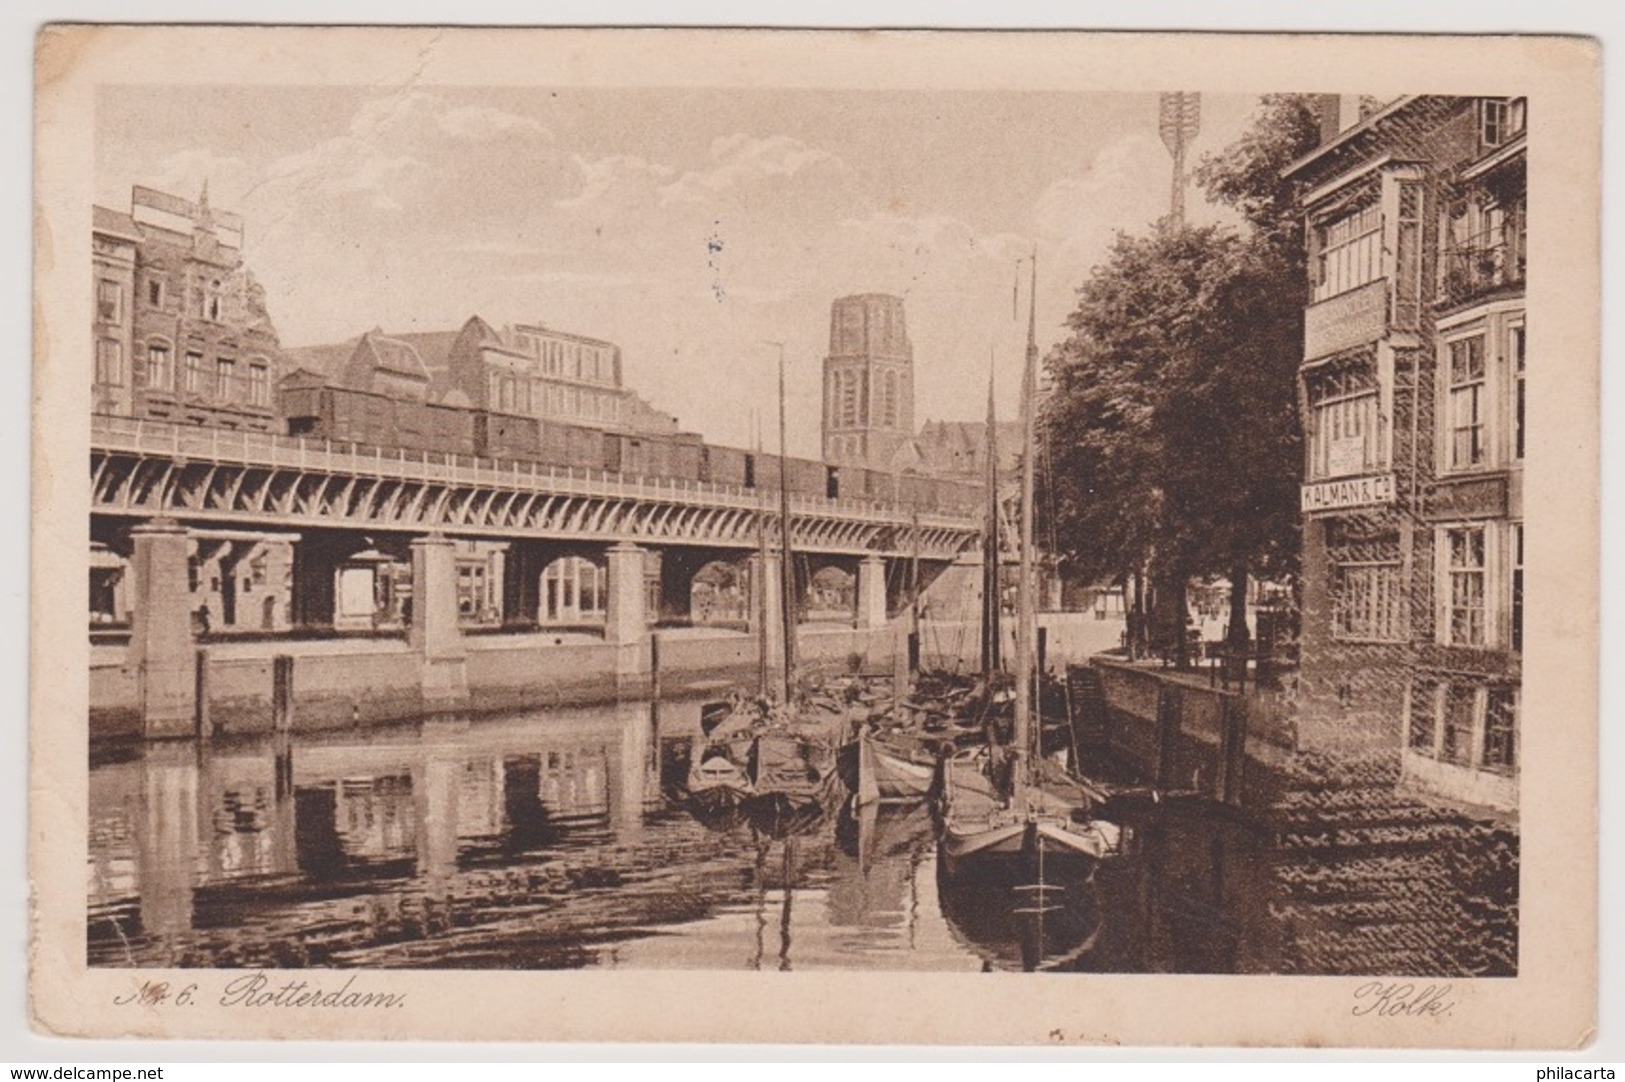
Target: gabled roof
(118, 223)
(329, 359)
(392, 355)
(431, 348)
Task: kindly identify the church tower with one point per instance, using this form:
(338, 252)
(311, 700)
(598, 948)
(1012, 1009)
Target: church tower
(868, 381)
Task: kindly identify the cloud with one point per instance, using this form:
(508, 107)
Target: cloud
(616, 181)
(395, 149)
(480, 122)
(186, 171)
(739, 160)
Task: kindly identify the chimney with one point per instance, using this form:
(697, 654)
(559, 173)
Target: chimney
(1339, 113)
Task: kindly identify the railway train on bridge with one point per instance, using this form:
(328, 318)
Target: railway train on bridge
(314, 408)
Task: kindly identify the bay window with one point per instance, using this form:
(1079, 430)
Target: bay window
(1348, 252)
(1348, 434)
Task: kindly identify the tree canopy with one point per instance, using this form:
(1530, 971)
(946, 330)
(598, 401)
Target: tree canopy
(1172, 423)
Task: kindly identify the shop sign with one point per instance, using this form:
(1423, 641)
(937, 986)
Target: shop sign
(1373, 490)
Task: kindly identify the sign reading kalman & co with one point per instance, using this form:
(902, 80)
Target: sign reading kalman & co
(1378, 488)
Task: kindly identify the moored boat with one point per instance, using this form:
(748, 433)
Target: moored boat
(889, 767)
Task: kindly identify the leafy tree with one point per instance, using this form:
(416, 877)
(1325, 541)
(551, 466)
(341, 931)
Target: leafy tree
(1172, 425)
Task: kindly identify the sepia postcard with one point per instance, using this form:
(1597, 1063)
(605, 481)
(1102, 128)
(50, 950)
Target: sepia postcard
(808, 536)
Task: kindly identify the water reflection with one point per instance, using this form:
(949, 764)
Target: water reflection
(564, 839)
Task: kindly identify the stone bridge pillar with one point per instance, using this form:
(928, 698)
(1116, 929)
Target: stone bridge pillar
(161, 652)
(626, 624)
(871, 592)
(434, 634)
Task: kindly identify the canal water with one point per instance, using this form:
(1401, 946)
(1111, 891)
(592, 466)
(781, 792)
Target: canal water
(560, 840)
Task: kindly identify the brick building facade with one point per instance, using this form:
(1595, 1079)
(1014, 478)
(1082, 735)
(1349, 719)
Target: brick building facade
(1412, 392)
(181, 329)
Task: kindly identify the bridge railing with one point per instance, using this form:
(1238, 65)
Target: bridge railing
(132, 434)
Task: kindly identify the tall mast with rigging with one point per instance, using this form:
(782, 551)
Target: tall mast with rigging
(1027, 617)
(762, 607)
(991, 600)
(787, 569)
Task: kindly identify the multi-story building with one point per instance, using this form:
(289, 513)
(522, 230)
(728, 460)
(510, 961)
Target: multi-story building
(181, 334)
(526, 371)
(868, 382)
(1412, 394)
(181, 330)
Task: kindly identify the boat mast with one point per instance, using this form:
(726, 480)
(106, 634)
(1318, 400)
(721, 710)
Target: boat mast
(787, 570)
(914, 588)
(1027, 617)
(991, 600)
(761, 584)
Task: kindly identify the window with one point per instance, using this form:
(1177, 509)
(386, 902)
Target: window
(1456, 735)
(160, 372)
(155, 292)
(225, 371)
(849, 398)
(212, 310)
(193, 377)
(1368, 602)
(259, 385)
(1517, 392)
(109, 361)
(1501, 120)
(1348, 252)
(1424, 716)
(1349, 433)
(108, 295)
(470, 590)
(1465, 569)
(1466, 408)
(1517, 586)
(1500, 752)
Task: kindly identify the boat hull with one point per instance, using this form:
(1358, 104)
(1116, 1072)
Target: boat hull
(877, 771)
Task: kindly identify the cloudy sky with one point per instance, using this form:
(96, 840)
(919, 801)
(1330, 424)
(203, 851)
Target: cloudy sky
(688, 226)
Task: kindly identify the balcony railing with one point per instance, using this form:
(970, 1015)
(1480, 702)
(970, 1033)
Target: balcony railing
(1482, 265)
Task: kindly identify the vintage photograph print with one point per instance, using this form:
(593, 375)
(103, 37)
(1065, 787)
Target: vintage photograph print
(821, 537)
